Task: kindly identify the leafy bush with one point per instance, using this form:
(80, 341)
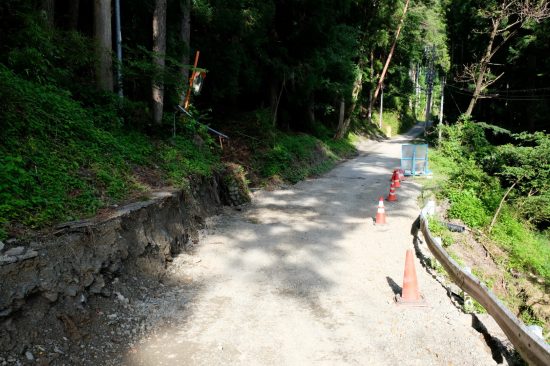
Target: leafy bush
(474, 189)
(295, 157)
(466, 206)
(439, 230)
(398, 121)
(529, 251)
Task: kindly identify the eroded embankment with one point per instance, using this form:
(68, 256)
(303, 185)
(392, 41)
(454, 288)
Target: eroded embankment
(48, 281)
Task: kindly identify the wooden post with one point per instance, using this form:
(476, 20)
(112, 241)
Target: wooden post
(188, 96)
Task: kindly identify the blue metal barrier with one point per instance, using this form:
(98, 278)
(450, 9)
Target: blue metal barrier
(414, 159)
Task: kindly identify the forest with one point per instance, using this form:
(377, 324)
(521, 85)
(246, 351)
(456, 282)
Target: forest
(90, 93)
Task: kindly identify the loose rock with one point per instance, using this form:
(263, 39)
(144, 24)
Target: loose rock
(15, 251)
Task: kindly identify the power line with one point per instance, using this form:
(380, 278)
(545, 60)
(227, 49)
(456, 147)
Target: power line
(503, 97)
(454, 100)
(505, 90)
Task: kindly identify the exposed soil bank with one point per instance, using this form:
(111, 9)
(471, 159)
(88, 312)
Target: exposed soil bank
(51, 279)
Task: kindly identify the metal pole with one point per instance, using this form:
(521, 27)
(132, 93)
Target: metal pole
(430, 82)
(441, 109)
(118, 48)
(381, 107)
(186, 102)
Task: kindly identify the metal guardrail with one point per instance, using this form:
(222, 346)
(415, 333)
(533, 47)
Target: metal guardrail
(533, 349)
(218, 133)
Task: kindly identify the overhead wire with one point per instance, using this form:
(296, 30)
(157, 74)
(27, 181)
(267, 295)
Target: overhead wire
(508, 97)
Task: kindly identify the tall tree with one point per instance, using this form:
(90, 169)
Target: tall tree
(103, 38)
(505, 19)
(159, 50)
(185, 38)
(73, 11)
(390, 54)
(48, 9)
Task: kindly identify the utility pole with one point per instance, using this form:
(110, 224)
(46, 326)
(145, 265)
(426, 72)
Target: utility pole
(118, 49)
(430, 51)
(416, 89)
(381, 106)
(440, 127)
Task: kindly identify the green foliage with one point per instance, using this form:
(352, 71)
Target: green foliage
(295, 157)
(439, 230)
(529, 251)
(474, 194)
(468, 207)
(58, 162)
(527, 162)
(398, 121)
(182, 158)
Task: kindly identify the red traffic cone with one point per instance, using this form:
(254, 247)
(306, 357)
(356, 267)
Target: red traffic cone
(410, 294)
(392, 196)
(381, 213)
(401, 174)
(395, 179)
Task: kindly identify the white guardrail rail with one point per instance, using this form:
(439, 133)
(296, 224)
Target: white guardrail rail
(531, 347)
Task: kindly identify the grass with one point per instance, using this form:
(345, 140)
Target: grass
(61, 161)
(527, 249)
(295, 157)
(439, 230)
(472, 197)
(397, 121)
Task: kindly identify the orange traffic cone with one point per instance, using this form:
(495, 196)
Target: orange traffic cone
(401, 174)
(381, 213)
(410, 295)
(392, 196)
(395, 179)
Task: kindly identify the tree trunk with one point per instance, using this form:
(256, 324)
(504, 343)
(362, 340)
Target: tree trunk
(371, 99)
(48, 9)
(388, 60)
(310, 112)
(185, 38)
(103, 38)
(494, 220)
(483, 68)
(73, 12)
(159, 50)
(341, 130)
(343, 126)
(276, 100)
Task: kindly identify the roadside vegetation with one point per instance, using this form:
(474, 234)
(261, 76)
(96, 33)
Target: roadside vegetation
(62, 161)
(500, 192)
(293, 84)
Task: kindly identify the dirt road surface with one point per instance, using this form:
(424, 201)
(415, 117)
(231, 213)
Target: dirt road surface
(302, 276)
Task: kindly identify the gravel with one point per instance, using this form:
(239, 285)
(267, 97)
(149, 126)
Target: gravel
(299, 276)
(302, 276)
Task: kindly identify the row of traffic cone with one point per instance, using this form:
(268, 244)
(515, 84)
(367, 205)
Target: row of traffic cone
(395, 183)
(410, 294)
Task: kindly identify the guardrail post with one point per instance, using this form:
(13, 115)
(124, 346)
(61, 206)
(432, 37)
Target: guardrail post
(468, 305)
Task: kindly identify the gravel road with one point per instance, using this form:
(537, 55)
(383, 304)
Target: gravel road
(302, 276)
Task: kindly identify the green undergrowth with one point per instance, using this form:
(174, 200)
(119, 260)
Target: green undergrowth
(62, 161)
(295, 157)
(473, 198)
(399, 122)
(471, 177)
